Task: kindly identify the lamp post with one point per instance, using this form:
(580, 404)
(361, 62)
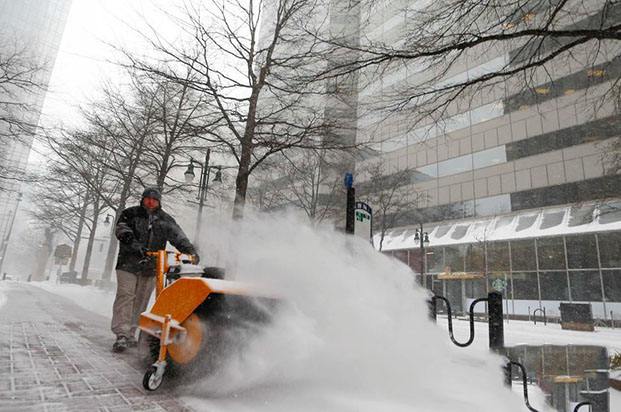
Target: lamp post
(5, 241)
(423, 238)
(203, 185)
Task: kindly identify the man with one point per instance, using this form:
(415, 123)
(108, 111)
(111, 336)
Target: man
(139, 229)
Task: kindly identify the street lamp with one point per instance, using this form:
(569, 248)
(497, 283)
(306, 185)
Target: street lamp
(203, 185)
(423, 239)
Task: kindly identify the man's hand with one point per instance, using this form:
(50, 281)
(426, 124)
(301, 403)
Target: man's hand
(196, 258)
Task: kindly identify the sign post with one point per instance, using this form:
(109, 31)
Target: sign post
(363, 225)
(351, 199)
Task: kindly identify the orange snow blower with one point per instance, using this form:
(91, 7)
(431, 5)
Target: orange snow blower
(198, 317)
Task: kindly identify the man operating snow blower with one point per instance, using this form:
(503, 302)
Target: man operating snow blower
(140, 229)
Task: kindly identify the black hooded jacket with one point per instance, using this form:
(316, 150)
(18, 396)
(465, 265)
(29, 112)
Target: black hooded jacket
(150, 232)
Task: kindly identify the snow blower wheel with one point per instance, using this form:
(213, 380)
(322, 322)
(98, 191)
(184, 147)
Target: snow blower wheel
(152, 380)
(195, 315)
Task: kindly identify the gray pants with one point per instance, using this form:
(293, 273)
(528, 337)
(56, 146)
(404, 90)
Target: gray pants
(132, 296)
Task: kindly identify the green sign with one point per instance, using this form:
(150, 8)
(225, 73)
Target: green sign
(499, 284)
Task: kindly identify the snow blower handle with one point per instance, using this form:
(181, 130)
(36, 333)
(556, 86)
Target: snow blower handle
(187, 258)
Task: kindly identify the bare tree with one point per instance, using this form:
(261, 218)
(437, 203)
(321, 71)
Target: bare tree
(253, 59)
(182, 121)
(20, 90)
(303, 179)
(390, 195)
(520, 45)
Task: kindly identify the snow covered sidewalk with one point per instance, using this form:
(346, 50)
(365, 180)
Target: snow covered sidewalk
(88, 297)
(527, 333)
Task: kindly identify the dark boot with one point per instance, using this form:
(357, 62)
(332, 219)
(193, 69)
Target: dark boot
(132, 342)
(120, 345)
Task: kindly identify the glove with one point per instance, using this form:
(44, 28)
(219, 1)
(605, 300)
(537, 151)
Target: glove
(126, 237)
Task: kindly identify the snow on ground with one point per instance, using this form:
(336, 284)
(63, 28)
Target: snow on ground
(524, 332)
(354, 335)
(88, 297)
(536, 397)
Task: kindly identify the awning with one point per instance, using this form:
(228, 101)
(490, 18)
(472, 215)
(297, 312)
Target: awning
(584, 218)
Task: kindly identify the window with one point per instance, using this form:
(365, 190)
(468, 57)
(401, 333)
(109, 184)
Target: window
(475, 258)
(581, 215)
(504, 221)
(443, 230)
(498, 256)
(609, 249)
(428, 172)
(551, 253)
(551, 219)
(456, 165)
(459, 231)
(489, 206)
(554, 285)
(475, 289)
(581, 252)
(487, 112)
(454, 258)
(415, 260)
(524, 222)
(436, 285)
(585, 285)
(435, 260)
(612, 285)
(523, 255)
(610, 213)
(489, 157)
(525, 285)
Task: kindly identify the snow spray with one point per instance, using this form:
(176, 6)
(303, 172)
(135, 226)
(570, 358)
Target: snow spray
(353, 334)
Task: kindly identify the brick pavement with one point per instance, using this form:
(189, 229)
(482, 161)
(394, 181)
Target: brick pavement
(56, 357)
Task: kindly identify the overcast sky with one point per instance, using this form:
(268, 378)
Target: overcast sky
(82, 62)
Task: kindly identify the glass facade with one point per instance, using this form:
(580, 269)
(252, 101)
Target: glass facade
(560, 268)
(35, 28)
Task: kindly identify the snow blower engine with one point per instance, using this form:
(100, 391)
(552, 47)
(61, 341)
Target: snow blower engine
(198, 318)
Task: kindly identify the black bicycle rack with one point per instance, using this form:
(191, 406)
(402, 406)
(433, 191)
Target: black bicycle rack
(543, 312)
(495, 319)
(508, 380)
(580, 405)
(496, 336)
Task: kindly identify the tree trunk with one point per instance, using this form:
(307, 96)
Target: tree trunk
(111, 254)
(163, 172)
(78, 236)
(91, 241)
(125, 193)
(241, 182)
(44, 255)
